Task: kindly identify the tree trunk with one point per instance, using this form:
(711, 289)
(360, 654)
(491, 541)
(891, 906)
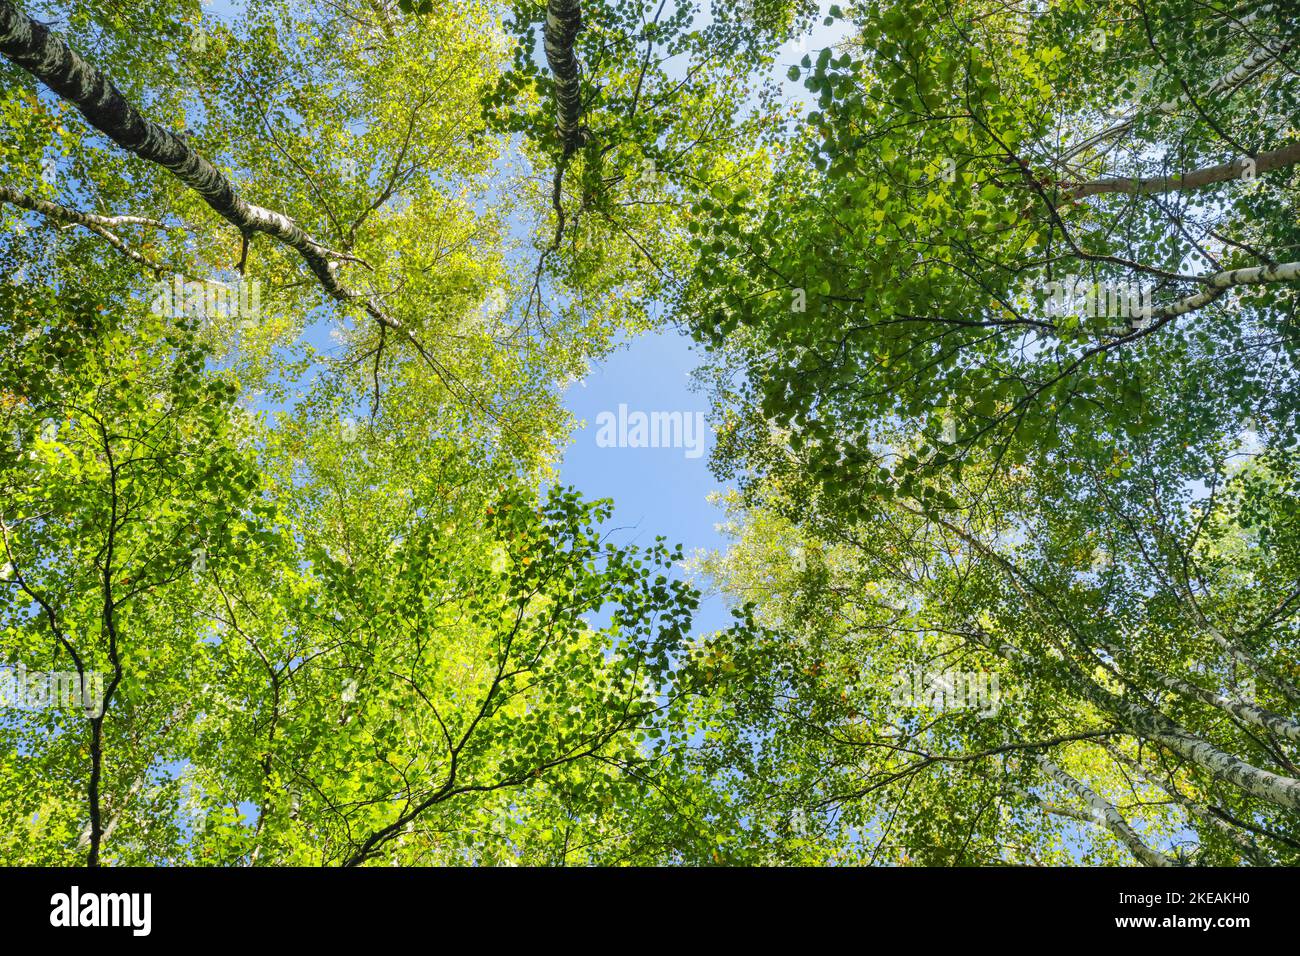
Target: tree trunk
(1108, 816)
(563, 21)
(47, 57)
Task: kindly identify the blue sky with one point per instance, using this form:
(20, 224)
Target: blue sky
(656, 491)
(659, 491)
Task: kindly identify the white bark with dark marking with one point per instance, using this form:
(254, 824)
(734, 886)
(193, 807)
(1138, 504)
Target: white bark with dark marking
(1155, 726)
(1275, 788)
(47, 57)
(380, 9)
(563, 22)
(1246, 660)
(1199, 810)
(1278, 724)
(1107, 815)
(1273, 722)
(1222, 281)
(1224, 172)
(68, 214)
(99, 225)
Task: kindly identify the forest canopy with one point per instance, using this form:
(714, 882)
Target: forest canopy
(997, 300)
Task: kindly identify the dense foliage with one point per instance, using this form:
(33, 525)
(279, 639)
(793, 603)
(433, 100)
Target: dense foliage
(999, 301)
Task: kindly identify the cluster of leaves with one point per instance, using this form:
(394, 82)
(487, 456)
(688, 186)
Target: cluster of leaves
(337, 621)
(943, 471)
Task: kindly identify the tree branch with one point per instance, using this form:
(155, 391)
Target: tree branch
(1195, 179)
(47, 57)
(99, 225)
